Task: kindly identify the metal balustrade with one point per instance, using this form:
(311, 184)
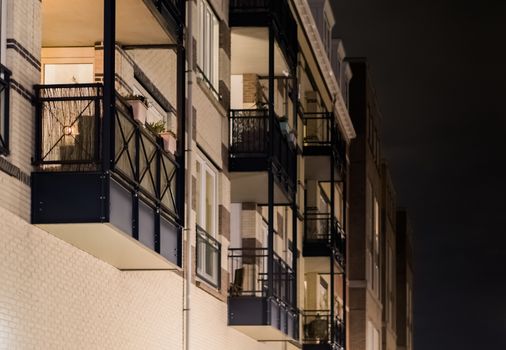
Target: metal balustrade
(249, 269)
(323, 233)
(250, 138)
(69, 138)
(208, 256)
(319, 328)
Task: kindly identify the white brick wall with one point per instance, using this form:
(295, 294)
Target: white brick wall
(54, 296)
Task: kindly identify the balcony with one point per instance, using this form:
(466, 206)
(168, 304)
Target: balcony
(323, 237)
(260, 13)
(253, 309)
(208, 253)
(249, 158)
(322, 139)
(320, 332)
(126, 216)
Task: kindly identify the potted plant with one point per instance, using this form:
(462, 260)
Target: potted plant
(168, 136)
(139, 106)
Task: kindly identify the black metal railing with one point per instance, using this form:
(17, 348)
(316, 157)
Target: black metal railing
(250, 138)
(325, 229)
(5, 81)
(249, 269)
(68, 121)
(321, 130)
(318, 129)
(69, 137)
(249, 132)
(208, 258)
(319, 328)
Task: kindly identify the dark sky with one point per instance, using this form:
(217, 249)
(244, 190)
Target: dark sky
(439, 67)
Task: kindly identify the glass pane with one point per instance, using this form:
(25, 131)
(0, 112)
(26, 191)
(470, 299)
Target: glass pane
(198, 195)
(68, 73)
(210, 195)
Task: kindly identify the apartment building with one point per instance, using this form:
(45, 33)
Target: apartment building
(173, 175)
(404, 284)
(365, 228)
(388, 260)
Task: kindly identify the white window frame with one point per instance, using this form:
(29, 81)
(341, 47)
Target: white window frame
(206, 167)
(208, 45)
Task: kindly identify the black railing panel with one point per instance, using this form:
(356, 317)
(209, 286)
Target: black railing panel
(318, 129)
(68, 118)
(248, 132)
(5, 80)
(208, 254)
(319, 328)
(249, 271)
(325, 229)
(168, 183)
(69, 137)
(250, 137)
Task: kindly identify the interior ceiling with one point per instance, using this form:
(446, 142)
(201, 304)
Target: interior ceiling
(80, 23)
(250, 52)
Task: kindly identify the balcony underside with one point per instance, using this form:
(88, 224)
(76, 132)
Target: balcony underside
(250, 52)
(262, 319)
(317, 164)
(320, 264)
(251, 187)
(81, 23)
(99, 216)
(322, 346)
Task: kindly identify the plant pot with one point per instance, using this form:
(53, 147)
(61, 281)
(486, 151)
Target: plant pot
(140, 110)
(285, 128)
(292, 138)
(169, 142)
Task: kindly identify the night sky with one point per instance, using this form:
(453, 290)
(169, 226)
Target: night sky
(439, 67)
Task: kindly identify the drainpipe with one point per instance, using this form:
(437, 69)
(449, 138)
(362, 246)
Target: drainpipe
(189, 161)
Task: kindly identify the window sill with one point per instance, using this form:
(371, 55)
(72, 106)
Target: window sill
(211, 96)
(213, 291)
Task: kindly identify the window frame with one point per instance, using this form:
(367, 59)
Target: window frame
(206, 167)
(208, 45)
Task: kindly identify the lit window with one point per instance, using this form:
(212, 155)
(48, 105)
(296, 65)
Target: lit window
(208, 44)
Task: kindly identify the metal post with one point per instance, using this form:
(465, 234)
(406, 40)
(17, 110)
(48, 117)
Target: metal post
(332, 230)
(345, 255)
(295, 237)
(181, 124)
(109, 90)
(270, 245)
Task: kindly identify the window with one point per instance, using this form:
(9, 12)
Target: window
(208, 46)
(4, 87)
(376, 249)
(208, 248)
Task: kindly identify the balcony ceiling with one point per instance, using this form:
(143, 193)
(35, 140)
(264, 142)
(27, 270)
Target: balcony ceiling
(250, 52)
(80, 23)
